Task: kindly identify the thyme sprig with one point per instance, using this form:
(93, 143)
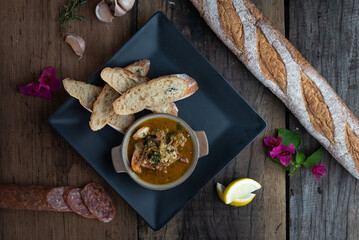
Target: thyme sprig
(70, 14)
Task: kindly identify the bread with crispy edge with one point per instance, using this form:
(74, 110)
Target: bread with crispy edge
(156, 92)
(87, 94)
(275, 62)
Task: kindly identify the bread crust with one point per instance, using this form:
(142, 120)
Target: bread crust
(122, 105)
(302, 89)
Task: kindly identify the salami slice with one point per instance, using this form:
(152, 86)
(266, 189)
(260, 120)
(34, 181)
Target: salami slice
(24, 197)
(72, 197)
(55, 199)
(98, 202)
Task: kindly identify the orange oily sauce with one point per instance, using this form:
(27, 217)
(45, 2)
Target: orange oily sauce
(176, 169)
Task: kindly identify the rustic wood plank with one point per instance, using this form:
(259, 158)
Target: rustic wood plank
(326, 33)
(206, 217)
(31, 151)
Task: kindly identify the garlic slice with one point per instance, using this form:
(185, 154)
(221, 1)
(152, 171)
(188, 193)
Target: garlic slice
(103, 12)
(118, 11)
(126, 4)
(77, 44)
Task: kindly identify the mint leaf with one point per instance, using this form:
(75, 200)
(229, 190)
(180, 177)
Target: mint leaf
(289, 137)
(313, 159)
(295, 170)
(300, 157)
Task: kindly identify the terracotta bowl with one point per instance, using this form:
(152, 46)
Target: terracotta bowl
(122, 164)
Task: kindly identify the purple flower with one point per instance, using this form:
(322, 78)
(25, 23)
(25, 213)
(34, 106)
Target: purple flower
(48, 78)
(272, 141)
(283, 153)
(35, 89)
(47, 83)
(319, 170)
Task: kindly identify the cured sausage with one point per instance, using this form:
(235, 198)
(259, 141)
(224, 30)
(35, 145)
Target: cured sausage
(55, 199)
(90, 202)
(74, 201)
(98, 202)
(24, 197)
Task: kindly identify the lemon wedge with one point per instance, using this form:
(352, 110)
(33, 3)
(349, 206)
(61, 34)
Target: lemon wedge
(241, 188)
(239, 192)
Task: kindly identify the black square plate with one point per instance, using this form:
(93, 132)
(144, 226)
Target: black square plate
(230, 123)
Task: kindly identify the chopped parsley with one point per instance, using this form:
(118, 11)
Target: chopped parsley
(178, 126)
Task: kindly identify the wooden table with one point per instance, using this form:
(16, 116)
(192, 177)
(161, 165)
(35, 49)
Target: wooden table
(31, 152)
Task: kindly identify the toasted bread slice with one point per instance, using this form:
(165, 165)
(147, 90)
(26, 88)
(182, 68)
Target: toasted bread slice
(103, 112)
(87, 95)
(156, 92)
(169, 108)
(84, 92)
(121, 79)
(140, 68)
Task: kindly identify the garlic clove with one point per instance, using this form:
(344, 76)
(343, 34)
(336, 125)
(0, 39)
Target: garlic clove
(118, 11)
(103, 12)
(77, 44)
(126, 4)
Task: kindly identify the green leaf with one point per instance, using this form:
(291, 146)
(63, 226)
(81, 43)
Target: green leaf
(287, 168)
(300, 157)
(289, 137)
(313, 159)
(295, 170)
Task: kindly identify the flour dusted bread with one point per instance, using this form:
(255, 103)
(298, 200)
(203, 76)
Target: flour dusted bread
(156, 92)
(87, 94)
(279, 66)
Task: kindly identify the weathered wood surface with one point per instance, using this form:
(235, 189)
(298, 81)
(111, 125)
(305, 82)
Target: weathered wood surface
(31, 152)
(327, 35)
(206, 217)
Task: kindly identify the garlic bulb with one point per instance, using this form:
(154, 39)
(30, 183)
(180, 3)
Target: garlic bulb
(126, 4)
(77, 44)
(103, 12)
(118, 11)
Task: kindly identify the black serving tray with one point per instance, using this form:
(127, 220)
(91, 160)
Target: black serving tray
(230, 123)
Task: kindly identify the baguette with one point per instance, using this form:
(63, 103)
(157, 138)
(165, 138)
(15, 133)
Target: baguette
(121, 79)
(87, 95)
(84, 92)
(274, 61)
(140, 68)
(124, 79)
(156, 92)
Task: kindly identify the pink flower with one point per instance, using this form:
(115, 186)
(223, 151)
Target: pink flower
(35, 89)
(47, 83)
(319, 170)
(272, 141)
(48, 78)
(283, 153)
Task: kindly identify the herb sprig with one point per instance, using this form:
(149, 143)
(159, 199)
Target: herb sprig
(70, 14)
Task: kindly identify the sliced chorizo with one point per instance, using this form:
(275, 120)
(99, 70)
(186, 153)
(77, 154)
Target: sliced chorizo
(98, 202)
(74, 201)
(55, 199)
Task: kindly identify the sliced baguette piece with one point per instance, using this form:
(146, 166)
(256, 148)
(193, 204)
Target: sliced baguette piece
(140, 68)
(156, 92)
(169, 108)
(84, 92)
(103, 111)
(121, 79)
(87, 94)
